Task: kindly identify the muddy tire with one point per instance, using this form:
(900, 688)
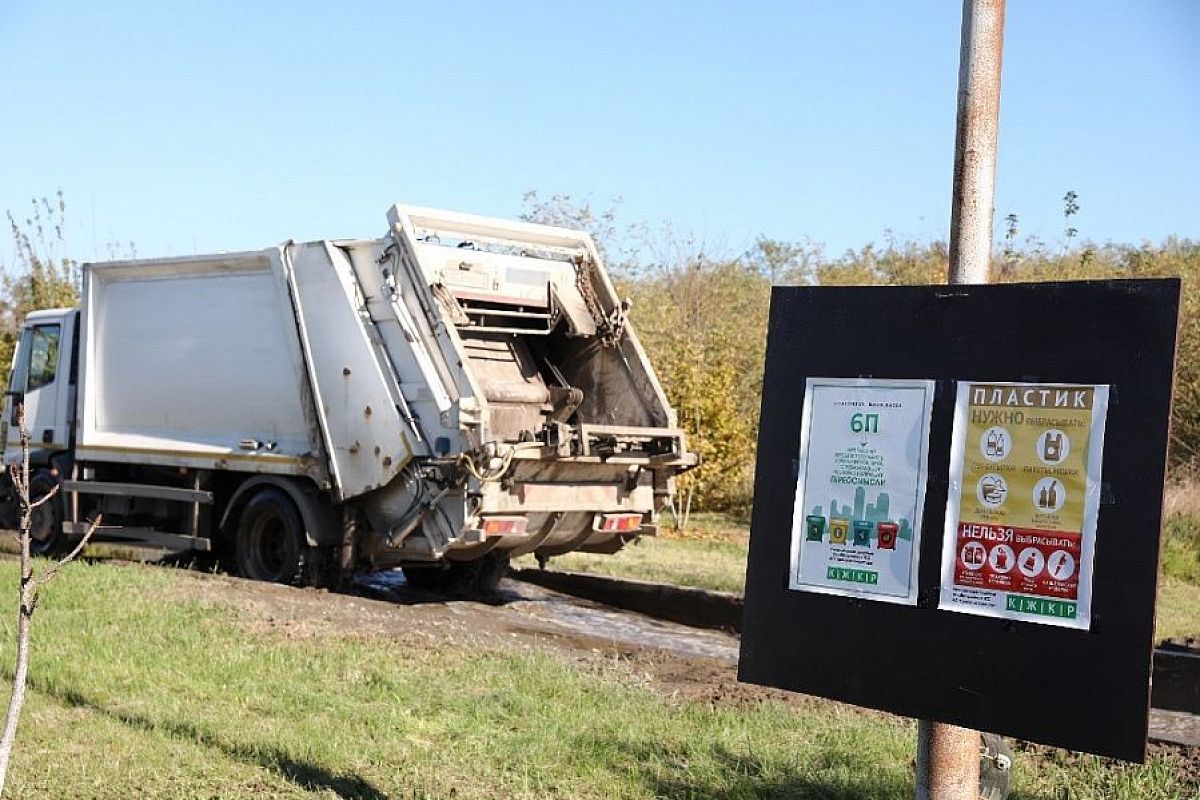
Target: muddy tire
(272, 543)
(477, 578)
(45, 533)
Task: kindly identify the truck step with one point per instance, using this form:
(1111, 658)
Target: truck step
(177, 542)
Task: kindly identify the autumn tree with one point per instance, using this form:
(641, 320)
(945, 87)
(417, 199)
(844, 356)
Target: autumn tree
(43, 275)
(704, 321)
(703, 315)
(613, 240)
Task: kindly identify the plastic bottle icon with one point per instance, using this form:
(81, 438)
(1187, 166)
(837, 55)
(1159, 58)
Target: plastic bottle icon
(1048, 496)
(839, 527)
(994, 444)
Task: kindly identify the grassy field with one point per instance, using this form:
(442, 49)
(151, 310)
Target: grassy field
(1181, 548)
(143, 688)
(713, 556)
(710, 555)
(707, 563)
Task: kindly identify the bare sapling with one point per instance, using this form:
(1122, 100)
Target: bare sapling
(31, 586)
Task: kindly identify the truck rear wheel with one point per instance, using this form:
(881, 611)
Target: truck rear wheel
(272, 544)
(460, 578)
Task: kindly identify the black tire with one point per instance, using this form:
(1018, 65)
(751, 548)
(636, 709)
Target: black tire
(272, 542)
(45, 532)
(478, 578)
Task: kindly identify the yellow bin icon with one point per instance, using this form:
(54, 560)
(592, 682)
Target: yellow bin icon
(838, 529)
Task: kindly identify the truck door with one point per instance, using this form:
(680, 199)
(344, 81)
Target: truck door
(39, 380)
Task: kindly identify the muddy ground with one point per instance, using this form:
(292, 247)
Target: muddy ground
(679, 662)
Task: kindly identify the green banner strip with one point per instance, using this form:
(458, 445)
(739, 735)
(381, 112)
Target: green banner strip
(1039, 605)
(851, 575)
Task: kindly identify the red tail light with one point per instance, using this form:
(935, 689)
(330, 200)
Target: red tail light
(620, 523)
(504, 526)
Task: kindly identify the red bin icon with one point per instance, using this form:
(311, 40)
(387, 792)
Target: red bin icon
(887, 535)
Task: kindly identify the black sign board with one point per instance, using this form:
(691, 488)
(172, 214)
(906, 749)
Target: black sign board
(1081, 689)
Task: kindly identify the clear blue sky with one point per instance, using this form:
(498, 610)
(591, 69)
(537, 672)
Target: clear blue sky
(204, 126)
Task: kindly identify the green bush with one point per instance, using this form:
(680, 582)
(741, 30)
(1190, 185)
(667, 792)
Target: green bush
(1181, 548)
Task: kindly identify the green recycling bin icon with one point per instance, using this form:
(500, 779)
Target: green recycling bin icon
(815, 527)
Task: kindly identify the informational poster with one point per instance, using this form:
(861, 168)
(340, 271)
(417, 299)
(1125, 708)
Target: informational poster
(860, 490)
(1024, 495)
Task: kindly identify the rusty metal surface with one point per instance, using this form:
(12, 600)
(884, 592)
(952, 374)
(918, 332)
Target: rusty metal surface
(947, 755)
(947, 762)
(976, 139)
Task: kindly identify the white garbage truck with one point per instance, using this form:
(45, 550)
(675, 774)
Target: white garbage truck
(462, 390)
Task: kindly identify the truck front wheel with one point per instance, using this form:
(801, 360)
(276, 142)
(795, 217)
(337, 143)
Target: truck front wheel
(45, 532)
(271, 541)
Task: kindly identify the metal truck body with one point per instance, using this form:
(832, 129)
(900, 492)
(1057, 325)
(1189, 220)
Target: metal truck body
(462, 386)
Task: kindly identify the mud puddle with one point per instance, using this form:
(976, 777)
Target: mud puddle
(539, 610)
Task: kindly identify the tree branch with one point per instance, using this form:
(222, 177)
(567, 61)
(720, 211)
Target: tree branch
(44, 498)
(49, 574)
(14, 471)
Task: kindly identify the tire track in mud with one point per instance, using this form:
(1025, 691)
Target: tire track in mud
(538, 610)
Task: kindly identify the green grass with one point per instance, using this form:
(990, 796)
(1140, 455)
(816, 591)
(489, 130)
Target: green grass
(1178, 609)
(715, 564)
(139, 689)
(707, 523)
(1181, 548)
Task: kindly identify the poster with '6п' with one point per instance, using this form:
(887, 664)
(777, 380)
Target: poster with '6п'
(1020, 533)
(860, 491)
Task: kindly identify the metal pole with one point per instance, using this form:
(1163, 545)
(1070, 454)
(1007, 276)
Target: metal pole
(947, 755)
(975, 140)
(947, 762)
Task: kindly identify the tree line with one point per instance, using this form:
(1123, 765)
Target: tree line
(702, 315)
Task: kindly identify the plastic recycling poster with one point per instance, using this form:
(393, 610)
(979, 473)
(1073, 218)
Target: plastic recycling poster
(1020, 533)
(860, 491)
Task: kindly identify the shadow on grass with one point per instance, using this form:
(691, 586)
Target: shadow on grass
(672, 771)
(305, 775)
